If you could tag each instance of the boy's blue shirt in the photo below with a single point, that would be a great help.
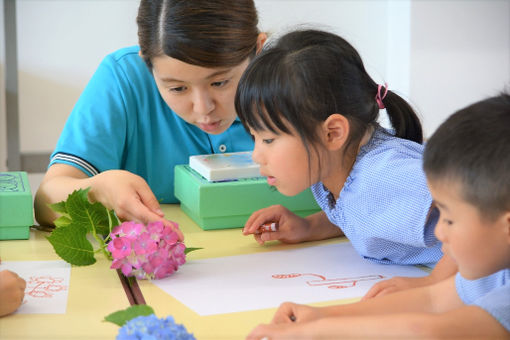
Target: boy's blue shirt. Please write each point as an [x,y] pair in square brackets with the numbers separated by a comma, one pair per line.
[121,122]
[492,293]
[384,208]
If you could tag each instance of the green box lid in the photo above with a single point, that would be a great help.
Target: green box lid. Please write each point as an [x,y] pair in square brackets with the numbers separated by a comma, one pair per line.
[229,204]
[16,207]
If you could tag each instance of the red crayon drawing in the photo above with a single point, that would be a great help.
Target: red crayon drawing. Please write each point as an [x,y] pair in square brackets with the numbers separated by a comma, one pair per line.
[339,283]
[44,286]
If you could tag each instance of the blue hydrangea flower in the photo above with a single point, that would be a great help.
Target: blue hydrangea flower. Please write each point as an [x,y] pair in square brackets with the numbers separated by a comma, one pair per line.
[152,328]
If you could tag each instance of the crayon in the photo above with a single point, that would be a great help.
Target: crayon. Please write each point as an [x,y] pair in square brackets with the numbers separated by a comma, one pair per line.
[268,226]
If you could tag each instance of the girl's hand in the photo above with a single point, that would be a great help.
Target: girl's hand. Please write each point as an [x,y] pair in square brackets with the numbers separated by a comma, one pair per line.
[12,292]
[130,196]
[291,228]
[289,312]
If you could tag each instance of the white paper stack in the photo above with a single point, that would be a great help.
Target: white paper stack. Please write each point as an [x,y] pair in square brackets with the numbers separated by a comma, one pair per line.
[225,166]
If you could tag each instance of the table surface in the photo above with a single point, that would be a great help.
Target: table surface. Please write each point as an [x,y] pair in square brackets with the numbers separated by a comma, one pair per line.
[94,292]
[215,243]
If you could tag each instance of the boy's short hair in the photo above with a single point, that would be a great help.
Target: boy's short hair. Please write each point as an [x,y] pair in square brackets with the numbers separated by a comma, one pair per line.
[472,148]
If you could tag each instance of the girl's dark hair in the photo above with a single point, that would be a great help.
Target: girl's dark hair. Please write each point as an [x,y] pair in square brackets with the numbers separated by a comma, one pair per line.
[308,75]
[472,148]
[207,33]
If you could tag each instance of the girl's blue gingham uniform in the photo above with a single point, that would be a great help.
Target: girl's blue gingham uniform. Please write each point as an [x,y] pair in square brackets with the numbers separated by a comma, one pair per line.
[121,122]
[384,208]
[492,293]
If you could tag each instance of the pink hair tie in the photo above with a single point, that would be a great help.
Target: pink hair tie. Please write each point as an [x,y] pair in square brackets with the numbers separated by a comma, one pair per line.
[379,98]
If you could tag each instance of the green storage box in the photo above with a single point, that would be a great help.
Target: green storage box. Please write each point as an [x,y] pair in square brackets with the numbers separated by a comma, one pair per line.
[221,205]
[16,209]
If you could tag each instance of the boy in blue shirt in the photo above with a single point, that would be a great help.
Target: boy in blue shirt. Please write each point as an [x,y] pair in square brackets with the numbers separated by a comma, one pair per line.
[467,163]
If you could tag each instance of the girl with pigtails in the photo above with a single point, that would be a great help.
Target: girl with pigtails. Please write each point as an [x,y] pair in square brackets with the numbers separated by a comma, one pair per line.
[312,110]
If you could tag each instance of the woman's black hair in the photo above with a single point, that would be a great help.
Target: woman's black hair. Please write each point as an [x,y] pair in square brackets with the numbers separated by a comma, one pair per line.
[308,75]
[207,33]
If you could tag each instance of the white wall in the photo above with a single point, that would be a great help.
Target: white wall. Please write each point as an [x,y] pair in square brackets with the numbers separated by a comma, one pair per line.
[354,20]
[440,55]
[60,44]
[460,53]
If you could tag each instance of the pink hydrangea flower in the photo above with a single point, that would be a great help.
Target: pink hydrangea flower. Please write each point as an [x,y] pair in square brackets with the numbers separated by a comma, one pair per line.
[150,251]
[120,247]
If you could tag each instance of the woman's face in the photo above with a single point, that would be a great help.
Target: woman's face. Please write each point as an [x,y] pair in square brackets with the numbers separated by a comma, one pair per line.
[201,96]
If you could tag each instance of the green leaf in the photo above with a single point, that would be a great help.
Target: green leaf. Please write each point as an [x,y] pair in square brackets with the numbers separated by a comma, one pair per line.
[189,250]
[62,221]
[83,213]
[71,244]
[59,207]
[122,316]
[91,216]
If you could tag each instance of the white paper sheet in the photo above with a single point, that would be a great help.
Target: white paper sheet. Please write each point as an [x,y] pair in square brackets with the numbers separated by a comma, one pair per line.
[258,281]
[47,285]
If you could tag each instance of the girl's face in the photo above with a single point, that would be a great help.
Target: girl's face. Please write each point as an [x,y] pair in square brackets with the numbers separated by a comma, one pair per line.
[284,161]
[479,246]
[201,96]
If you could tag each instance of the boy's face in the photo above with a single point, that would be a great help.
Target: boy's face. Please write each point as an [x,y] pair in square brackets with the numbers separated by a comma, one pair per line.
[479,246]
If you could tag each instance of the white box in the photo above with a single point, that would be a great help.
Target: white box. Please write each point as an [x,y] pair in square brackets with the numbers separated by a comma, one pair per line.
[225,166]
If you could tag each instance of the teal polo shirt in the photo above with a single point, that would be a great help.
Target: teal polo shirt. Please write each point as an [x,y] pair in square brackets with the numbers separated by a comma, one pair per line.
[121,122]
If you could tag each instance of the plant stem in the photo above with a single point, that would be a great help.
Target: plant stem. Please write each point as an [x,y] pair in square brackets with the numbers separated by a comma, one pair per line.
[110,222]
[102,244]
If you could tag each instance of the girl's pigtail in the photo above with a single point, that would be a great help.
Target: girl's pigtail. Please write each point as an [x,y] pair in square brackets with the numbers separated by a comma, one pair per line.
[404,120]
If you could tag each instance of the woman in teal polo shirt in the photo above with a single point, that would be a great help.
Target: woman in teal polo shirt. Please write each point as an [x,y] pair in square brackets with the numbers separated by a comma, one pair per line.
[148,108]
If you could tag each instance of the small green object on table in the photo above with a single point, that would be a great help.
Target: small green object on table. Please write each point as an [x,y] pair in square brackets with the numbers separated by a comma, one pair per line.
[229,204]
[16,209]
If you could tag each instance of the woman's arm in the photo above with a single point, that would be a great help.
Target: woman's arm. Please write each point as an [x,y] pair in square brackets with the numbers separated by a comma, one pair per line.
[126,193]
[59,181]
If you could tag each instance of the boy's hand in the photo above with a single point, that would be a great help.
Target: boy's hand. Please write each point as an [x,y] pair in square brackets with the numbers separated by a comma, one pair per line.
[289,312]
[272,332]
[316,329]
[291,228]
[445,268]
[12,292]
[395,284]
